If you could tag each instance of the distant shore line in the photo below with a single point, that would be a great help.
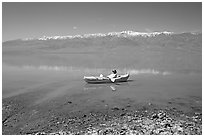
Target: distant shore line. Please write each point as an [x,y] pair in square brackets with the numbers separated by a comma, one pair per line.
[131,71]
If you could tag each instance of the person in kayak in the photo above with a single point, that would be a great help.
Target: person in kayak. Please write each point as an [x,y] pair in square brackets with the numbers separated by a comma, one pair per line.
[113,75]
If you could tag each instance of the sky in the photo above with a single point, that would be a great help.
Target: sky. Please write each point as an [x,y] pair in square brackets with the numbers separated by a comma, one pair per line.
[33,20]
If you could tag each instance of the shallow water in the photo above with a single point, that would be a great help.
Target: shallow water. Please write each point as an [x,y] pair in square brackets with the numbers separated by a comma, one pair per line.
[157,74]
[143,86]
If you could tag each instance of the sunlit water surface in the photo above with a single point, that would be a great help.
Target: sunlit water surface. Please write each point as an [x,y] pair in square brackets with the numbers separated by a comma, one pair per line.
[144,85]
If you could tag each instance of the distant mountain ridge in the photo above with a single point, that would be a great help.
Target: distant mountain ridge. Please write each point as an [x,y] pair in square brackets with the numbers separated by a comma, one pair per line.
[117,34]
[94,35]
[113,39]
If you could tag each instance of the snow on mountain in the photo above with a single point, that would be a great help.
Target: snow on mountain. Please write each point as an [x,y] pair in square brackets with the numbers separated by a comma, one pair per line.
[117,34]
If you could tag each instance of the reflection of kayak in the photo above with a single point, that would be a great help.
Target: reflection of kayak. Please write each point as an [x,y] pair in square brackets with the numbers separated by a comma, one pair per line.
[95,80]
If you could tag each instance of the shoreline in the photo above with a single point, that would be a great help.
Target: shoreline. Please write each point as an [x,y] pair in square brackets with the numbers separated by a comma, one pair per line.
[69,116]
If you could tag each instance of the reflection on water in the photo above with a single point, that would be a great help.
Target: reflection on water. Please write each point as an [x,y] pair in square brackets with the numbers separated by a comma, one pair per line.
[131,71]
[56,81]
[89,87]
[112,86]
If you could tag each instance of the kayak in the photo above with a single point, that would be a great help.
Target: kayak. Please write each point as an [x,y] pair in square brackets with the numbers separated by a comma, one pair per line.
[98,80]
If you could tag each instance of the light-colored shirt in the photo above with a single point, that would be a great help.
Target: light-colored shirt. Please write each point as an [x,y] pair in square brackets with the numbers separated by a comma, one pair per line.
[112,76]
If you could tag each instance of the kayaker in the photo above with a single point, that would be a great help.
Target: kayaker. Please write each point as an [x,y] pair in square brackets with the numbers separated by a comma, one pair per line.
[113,75]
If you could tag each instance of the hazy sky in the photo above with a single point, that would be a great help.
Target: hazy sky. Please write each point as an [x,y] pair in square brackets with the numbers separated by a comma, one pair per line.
[23,20]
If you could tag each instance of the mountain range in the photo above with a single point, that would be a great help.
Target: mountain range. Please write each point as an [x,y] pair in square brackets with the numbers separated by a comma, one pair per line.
[124,38]
[166,51]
